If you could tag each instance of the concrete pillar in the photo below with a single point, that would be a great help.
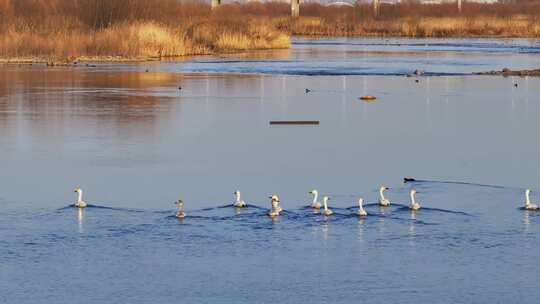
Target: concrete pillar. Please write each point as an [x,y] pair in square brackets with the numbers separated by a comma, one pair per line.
[215,3]
[376,4]
[295,8]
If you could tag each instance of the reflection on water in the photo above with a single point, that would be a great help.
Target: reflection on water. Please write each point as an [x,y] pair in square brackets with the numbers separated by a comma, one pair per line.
[42,103]
[80,219]
[380,227]
[412,227]
[361,223]
[325,227]
[526,221]
[67,127]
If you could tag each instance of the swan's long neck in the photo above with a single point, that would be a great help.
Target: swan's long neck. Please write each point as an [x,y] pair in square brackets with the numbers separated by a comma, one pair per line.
[237,196]
[274,205]
[360,205]
[79,198]
[325,203]
[315,197]
[527,198]
[413,199]
[381,193]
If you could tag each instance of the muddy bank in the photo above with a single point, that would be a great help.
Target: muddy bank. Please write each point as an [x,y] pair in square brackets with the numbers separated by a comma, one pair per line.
[509,72]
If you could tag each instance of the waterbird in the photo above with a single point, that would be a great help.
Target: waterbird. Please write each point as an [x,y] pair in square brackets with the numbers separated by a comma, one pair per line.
[382,200]
[414,205]
[315,204]
[80,203]
[515,85]
[238,203]
[180,214]
[179,88]
[361,211]
[274,209]
[528,204]
[308,90]
[278,203]
[408,180]
[327,211]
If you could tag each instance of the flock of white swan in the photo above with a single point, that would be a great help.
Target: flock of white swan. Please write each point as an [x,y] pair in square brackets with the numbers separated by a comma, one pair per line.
[275,207]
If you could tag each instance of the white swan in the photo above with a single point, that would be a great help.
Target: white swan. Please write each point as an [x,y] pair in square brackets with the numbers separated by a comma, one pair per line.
[275,210]
[361,211]
[382,200]
[80,203]
[315,204]
[238,203]
[277,202]
[414,205]
[528,204]
[180,214]
[327,211]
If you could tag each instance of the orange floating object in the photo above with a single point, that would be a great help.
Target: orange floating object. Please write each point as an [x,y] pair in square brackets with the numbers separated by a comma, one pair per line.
[368,97]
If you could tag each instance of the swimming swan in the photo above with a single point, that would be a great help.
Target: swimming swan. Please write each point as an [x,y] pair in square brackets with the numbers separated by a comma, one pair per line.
[180,214]
[316,204]
[327,211]
[414,205]
[382,200]
[277,202]
[361,211]
[528,204]
[275,210]
[80,203]
[238,203]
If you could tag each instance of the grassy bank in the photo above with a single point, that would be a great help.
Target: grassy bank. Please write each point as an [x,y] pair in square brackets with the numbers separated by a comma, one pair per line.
[415,20]
[67,30]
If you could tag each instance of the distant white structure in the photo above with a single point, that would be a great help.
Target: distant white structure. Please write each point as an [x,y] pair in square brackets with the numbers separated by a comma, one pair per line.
[339,3]
[483,1]
[454,1]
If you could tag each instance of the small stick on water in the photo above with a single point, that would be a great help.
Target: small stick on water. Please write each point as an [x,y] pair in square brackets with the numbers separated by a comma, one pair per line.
[294,122]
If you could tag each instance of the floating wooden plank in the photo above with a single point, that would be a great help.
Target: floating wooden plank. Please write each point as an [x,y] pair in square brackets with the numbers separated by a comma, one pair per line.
[294,122]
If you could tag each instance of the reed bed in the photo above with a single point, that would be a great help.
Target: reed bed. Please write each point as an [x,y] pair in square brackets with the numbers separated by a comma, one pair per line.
[67,30]
[410,19]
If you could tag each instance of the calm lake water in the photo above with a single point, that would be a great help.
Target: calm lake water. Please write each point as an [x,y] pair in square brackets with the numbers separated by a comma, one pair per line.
[135,144]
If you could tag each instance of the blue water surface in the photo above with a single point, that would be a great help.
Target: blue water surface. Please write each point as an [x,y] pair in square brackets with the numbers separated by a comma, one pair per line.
[136,143]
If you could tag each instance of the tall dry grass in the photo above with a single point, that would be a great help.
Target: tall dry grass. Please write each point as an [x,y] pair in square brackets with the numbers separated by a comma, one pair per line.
[60,30]
[411,19]
[101,29]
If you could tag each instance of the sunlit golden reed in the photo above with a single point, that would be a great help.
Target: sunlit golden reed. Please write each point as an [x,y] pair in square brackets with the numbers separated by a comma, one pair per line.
[66,30]
[128,29]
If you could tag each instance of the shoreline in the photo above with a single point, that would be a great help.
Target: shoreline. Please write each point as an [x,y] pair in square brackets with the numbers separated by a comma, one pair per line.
[168,29]
[85,59]
[506,72]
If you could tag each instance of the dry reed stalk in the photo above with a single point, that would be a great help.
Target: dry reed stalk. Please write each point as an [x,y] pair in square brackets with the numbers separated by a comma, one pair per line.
[66,29]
